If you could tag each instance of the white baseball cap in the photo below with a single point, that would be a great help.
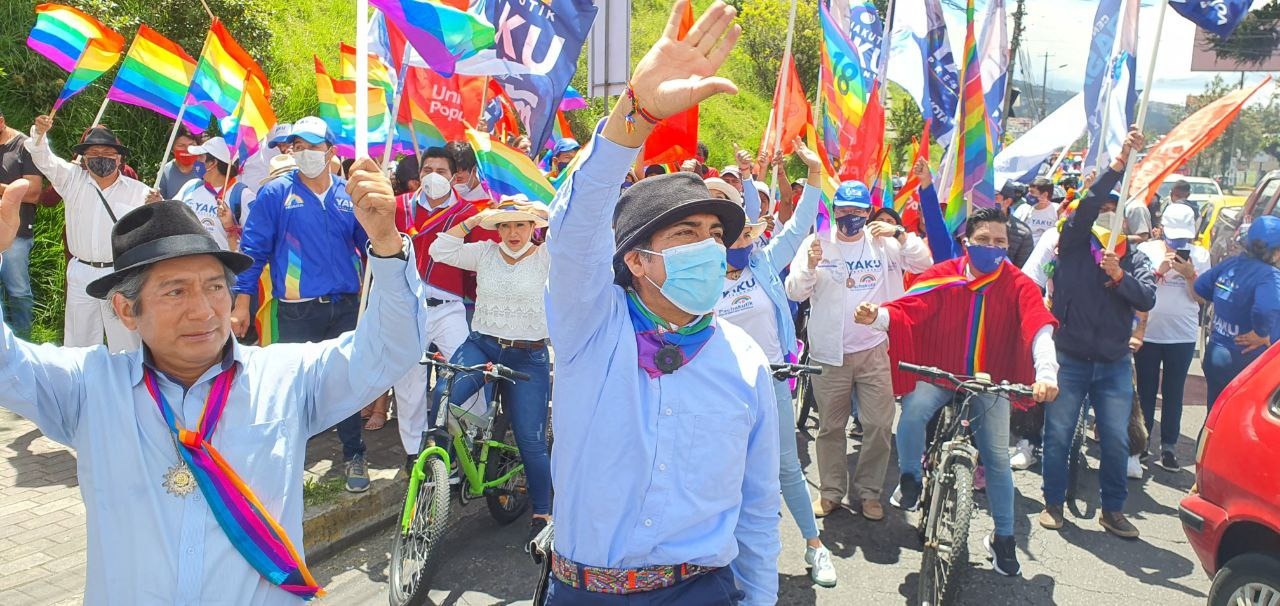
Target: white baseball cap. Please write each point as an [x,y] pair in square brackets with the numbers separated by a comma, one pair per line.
[216,147]
[1178,221]
[279,134]
[313,130]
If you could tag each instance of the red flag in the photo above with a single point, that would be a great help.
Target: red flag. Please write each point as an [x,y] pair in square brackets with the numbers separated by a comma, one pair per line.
[675,138]
[861,160]
[507,123]
[798,114]
[907,200]
[451,103]
[1187,139]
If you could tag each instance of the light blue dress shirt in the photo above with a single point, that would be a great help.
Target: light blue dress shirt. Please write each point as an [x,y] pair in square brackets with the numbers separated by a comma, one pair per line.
[146,546]
[678,469]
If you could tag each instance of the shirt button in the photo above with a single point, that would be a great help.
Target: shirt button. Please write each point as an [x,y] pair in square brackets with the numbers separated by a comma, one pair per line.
[662,467]
[191,551]
[668,411]
[648,522]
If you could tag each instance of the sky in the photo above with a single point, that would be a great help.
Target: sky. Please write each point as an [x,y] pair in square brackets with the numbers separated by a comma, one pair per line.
[1062,29]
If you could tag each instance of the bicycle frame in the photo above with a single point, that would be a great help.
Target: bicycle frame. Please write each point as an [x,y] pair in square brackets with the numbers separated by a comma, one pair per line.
[473,473]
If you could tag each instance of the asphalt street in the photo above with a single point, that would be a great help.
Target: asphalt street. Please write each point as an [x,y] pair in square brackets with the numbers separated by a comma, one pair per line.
[483,564]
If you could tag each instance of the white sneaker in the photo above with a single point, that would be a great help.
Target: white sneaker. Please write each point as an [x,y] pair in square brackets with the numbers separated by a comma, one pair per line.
[1134,470]
[822,571]
[1023,456]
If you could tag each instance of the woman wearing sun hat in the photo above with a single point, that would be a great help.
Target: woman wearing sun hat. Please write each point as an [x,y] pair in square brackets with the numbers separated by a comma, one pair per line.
[755,300]
[509,328]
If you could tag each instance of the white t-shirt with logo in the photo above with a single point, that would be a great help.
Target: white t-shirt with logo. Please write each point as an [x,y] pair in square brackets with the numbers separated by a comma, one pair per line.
[199,199]
[745,303]
[862,271]
[1039,220]
[1176,316]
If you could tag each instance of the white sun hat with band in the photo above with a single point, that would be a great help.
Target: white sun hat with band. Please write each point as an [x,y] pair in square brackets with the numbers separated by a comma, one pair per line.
[719,185]
[515,208]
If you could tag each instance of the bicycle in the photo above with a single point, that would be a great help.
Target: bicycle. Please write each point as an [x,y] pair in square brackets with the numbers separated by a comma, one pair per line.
[1076,464]
[802,395]
[947,483]
[490,467]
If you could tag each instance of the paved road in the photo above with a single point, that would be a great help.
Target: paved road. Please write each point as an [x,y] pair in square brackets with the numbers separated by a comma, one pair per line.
[877,561]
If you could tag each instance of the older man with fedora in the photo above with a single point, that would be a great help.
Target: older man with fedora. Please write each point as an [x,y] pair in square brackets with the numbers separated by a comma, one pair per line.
[666,457]
[190,451]
[95,196]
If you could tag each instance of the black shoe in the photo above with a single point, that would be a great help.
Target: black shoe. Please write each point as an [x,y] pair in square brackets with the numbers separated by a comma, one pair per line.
[907,496]
[536,524]
[855,432]
[1116,524]
[1004,555]
[1146,455]
[1168,461]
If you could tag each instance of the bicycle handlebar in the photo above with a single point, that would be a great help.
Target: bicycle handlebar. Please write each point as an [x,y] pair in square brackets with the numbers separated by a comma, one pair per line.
[971,384]
[787,371]
[488,369]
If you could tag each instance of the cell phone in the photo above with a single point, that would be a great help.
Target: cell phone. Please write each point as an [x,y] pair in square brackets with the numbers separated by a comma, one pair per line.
[1184,254]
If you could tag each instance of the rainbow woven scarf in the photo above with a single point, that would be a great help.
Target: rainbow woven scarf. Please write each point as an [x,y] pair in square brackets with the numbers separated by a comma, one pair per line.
[976,348]
[650,338]
[248,526]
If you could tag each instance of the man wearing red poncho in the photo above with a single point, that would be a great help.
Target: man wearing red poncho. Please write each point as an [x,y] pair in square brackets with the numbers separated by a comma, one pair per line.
[976,313]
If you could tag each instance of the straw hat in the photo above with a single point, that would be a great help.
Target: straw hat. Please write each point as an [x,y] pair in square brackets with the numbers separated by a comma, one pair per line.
[514,208]
[716,184]
[281,165]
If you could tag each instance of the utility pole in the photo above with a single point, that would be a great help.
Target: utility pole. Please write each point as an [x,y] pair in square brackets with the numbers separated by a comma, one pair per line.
[1016,42]
[1044,89]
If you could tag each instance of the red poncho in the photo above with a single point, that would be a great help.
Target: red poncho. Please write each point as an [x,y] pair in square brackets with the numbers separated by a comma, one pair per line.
[966,326]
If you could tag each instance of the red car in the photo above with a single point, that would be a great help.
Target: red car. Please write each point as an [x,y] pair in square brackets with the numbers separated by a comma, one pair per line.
[1232,516]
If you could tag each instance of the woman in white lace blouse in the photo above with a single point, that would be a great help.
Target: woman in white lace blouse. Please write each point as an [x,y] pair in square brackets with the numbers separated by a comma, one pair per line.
[509,328]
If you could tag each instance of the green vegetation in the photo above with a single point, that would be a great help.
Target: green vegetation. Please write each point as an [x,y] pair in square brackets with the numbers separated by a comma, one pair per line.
[318,492]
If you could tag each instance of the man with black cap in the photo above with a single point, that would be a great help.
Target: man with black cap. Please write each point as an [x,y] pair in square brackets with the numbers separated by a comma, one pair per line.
[95,194]
[666,457]
[190,451]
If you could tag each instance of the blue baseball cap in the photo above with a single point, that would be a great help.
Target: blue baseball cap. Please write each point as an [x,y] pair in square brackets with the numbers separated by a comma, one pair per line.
[566,144]
[853,194]
[1266,230]
[313,130]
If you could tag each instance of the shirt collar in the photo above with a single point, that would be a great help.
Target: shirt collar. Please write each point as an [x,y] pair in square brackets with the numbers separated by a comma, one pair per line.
[233,353]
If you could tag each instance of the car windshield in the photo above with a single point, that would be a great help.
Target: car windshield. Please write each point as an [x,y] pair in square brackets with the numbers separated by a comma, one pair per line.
[1198,188]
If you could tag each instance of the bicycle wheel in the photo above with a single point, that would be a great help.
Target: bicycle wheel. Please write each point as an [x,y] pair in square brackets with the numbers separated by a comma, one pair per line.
[946,548]
[412,550]
[508,501]
[1077,464]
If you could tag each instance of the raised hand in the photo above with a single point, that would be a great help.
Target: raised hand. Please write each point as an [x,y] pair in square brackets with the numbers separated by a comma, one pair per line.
[743,159]
[375,206]
[922,173]
[10,212]
[678,74]
[806,155]
[815,254]
[42,125]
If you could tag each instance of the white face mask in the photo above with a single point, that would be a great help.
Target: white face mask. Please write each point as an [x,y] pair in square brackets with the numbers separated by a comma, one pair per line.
[516,254]
[436,186]
[1104,220]
[462,188]
[311,162]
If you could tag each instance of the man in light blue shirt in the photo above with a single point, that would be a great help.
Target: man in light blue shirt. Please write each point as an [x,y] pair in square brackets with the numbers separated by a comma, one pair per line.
[154,534]
[666,458]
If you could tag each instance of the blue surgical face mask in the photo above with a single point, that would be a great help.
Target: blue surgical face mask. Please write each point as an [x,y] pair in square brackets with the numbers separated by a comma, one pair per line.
[739,257]
[695,275]
[1178,243]
[986,259]
[851,225]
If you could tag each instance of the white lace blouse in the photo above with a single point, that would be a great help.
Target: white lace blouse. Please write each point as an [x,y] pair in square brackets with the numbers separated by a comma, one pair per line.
[509,298]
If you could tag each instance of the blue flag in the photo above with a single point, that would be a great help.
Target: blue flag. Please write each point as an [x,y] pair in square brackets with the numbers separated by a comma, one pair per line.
[866,31]
[1218,17]
[1105,21]
[545,38]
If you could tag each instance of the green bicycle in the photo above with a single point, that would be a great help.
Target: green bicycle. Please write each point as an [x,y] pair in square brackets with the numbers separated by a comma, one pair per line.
[483,449]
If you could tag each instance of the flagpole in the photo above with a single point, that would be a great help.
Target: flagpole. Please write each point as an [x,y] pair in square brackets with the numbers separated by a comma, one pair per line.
[1116,222]
[1061,157]
[101,110]
[413,135]
[785,79]
[401,78]
[173,135]
[362,79]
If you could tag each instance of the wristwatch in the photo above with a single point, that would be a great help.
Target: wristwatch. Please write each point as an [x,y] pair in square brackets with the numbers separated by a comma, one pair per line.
[899,232]
[402,254]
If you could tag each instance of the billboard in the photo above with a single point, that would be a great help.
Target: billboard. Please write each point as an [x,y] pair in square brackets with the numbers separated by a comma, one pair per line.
[1204,60]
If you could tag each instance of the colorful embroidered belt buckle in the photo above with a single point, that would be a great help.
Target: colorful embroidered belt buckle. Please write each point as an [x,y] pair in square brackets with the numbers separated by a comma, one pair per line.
[622,581]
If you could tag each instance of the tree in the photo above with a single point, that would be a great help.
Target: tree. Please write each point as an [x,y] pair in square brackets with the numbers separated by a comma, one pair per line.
[1254,41]
[907,125]
[764,37]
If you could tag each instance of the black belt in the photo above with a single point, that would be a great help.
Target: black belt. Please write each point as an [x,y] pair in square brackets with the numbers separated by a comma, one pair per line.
[95,264]
[520,344]
[326,299]
[434,302]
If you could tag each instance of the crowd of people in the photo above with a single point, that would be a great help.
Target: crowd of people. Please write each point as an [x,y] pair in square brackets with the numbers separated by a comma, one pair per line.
[660,298]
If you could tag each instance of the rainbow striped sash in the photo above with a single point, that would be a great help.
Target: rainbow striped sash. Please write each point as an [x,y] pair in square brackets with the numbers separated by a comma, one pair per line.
[976,348]
[251,530]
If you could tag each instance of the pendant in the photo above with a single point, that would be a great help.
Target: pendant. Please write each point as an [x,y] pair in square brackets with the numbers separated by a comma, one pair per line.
[848,283]
[179,481]
[668,359]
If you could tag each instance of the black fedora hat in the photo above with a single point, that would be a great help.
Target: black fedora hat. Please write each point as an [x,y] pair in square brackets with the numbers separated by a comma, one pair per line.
[157,232]
[659,201]
[100,135]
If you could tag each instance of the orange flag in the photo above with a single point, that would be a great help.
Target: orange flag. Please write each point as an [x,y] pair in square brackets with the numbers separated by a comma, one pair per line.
[675,138]
[798,114]
[1186,140]
[862,159]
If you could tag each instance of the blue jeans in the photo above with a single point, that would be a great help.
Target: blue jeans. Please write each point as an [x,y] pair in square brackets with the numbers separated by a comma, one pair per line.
[526,402]
[1175,358]
[1221,365]
[313,322]
[1109,387]
[794,489]
[15,275]
[716,588]
[991,430]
